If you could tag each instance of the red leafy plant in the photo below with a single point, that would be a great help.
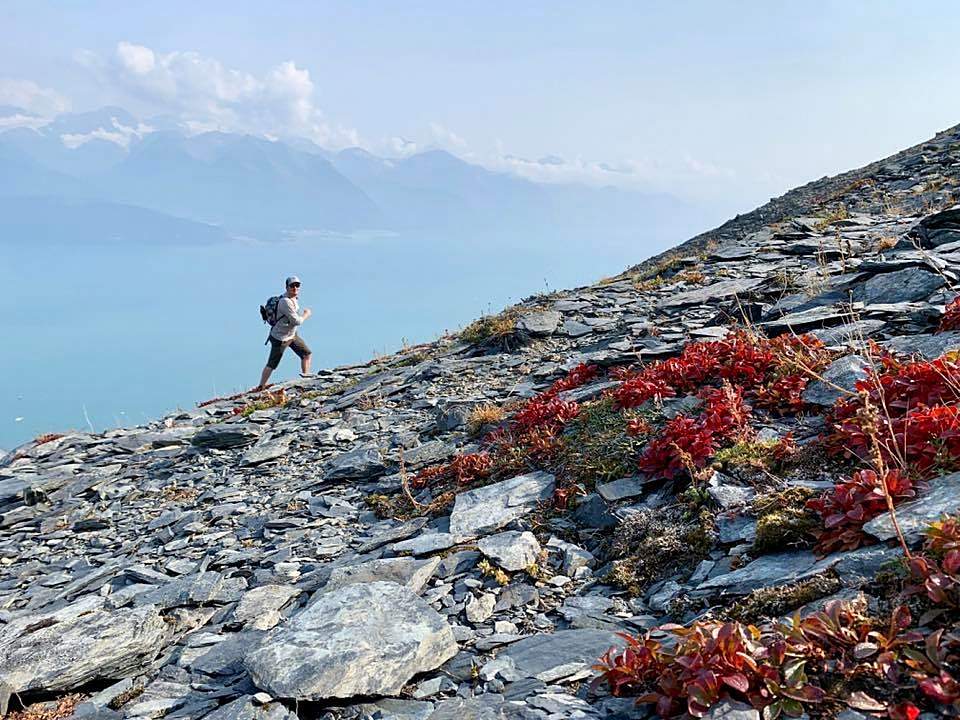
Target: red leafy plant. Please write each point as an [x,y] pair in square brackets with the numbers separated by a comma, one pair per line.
[708,662]
[687,443]
[770,369]
[850,504]
[904,414]
[951,316]
[936,571]
[463,469]
[839,647]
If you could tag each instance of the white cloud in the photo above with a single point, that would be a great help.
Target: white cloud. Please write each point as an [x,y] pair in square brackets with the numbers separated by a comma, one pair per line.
[27,95]
[446,138]
[401,146]
[207,95]
[121,135]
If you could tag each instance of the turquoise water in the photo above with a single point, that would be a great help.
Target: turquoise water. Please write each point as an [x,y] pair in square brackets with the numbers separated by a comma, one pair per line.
[103,336]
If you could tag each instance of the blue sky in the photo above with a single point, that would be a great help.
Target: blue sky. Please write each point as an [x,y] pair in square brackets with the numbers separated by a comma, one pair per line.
[728,103]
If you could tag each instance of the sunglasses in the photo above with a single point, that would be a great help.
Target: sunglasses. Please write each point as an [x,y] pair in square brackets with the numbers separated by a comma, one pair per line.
[296,285]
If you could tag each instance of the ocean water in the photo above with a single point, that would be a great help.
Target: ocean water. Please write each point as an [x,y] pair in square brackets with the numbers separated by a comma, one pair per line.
[103,336]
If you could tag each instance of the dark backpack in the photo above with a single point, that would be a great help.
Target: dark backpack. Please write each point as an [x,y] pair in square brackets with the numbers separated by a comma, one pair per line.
[268,311]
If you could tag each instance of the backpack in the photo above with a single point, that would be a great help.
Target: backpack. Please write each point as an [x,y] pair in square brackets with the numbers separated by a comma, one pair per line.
[268,311]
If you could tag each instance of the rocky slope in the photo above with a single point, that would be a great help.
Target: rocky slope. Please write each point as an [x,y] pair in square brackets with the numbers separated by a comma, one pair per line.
[316,554]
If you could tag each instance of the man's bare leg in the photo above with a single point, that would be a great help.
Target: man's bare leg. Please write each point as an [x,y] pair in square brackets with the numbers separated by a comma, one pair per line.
[305,364]
[264,376]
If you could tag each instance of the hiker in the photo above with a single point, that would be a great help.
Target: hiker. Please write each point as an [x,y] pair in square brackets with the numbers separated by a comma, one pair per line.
[283,315]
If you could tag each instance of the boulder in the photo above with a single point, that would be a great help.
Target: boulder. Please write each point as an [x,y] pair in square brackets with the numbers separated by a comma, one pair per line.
[259,609]
[540,323]
[560,654]
[265,450]
[79,643]
[362,639]
[908,285]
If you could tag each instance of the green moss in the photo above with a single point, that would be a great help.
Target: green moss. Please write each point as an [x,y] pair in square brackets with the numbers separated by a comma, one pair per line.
[775,602]
[783,520]
[596,446]
[748,453]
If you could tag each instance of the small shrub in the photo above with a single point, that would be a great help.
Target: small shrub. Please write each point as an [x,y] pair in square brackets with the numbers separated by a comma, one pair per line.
[654,543]
[483,416]
[497,329]
[268,399]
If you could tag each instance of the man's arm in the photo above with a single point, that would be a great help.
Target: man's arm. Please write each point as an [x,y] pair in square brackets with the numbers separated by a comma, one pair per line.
[295,317]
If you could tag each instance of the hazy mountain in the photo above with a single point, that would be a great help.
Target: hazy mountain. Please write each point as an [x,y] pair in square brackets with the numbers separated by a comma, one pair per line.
[267,189]
[242,182]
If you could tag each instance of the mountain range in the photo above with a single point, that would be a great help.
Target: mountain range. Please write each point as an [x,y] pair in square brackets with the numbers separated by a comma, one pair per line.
[108,175]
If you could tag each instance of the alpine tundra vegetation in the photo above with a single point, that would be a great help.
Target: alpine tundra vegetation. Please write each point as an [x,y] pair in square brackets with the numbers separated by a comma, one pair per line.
[725,483]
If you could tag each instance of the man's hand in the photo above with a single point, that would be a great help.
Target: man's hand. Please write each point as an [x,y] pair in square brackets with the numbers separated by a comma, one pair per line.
[307,313]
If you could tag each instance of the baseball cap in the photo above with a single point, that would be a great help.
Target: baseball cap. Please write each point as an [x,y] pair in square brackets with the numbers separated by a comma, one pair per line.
[292,279]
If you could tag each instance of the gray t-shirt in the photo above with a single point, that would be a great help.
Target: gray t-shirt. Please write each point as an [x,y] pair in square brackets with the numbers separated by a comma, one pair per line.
[288,318]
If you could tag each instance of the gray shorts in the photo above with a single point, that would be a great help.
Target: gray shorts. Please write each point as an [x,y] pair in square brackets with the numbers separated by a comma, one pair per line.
[277,348]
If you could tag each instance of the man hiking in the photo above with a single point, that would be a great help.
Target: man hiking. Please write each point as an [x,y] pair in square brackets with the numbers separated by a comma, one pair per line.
[283,332]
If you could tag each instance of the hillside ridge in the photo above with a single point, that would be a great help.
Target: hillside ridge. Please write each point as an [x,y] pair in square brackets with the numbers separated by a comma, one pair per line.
[466,527]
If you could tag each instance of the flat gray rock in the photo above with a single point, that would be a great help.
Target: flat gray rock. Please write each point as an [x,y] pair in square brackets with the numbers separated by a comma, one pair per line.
[713,292]
[265,450]
[79,643]
[928,347]
[540,323]
[244,708]
[512,550]
[907,285]
[363,639]
[942,497]
[768,570]
[842,373]
[226,435]
[560,654]
[361,462]
[732,710]
[489,508]
[412,573]
[622,489]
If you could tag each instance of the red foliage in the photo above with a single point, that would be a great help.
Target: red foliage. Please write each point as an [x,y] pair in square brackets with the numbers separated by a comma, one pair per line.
[688,442]
[709,662]
[464,469]
[545,413]
[853,502]
[768,667]
[683,440]
[639,389]
[909,409]
[580,375]
[951,316]
[783,395]
[745,359]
